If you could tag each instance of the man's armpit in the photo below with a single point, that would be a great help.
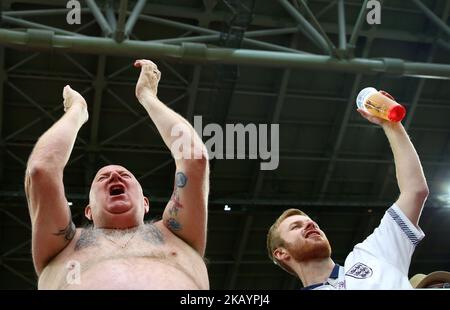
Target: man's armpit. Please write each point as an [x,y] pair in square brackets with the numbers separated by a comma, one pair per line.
[68,232]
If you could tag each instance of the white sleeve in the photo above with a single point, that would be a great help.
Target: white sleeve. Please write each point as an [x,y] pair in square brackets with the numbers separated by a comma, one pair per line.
[394,240]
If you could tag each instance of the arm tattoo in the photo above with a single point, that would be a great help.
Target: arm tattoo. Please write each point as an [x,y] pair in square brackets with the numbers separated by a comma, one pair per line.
[180,179]
[176,205]
[68,232]
[175,200]
[173,224]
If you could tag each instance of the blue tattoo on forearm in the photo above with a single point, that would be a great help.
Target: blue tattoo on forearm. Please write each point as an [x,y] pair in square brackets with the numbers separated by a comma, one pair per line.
[180,179]
[173,224]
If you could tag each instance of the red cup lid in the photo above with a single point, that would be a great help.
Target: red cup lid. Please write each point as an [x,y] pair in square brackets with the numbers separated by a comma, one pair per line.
[396,113]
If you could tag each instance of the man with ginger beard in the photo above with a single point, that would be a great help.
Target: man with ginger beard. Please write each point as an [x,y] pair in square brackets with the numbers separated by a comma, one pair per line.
[297,244]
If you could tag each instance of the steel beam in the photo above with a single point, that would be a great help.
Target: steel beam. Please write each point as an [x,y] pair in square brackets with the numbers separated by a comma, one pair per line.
[326,9]
[248,41]
[216,37]
[28,24]
[175,73]
[199,52]
[99,86]
[258,19]
[132,19]
[430,14]
[319,27]
[78,65]
[305,27]
[22,62]
[152,171]
[358,25]
[30,100]
[137,123]
[341,23]
[16,219]
[36,13]
[110,15]
[17,158]
[127,106]
[39,107]
[119,34]
[18,274]
[106,29]
[192,93]
[17,247]
[37,120]
[270,22]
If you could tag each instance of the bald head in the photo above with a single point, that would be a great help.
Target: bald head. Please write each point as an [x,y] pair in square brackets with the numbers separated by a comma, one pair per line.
[116,198]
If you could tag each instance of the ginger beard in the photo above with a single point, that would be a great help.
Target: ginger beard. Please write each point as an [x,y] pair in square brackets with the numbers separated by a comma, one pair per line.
[314,247]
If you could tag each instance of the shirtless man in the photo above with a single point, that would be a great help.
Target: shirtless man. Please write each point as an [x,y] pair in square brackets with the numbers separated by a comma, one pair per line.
[119,251]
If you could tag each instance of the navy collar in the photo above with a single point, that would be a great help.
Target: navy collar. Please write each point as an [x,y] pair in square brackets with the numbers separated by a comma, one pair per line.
[335,272]
[334,275]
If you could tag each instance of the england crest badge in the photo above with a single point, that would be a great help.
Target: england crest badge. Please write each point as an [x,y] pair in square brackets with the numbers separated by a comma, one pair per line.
[360,271]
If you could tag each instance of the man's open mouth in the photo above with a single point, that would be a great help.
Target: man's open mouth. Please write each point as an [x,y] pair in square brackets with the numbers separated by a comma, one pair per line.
[312,233]
[116,190]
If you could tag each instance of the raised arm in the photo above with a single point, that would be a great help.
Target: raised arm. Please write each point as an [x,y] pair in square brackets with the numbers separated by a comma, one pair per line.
[52,226]
[186,212]
[410,178]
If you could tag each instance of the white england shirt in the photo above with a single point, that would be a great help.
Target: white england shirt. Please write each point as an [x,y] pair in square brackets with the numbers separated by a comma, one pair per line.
[381,261]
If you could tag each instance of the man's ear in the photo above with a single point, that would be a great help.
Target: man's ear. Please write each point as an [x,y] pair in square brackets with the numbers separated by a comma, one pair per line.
[281,254]
[88,212]
[146,205]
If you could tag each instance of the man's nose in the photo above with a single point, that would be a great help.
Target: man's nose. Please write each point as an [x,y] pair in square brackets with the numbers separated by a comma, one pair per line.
[114,176]
[309,225]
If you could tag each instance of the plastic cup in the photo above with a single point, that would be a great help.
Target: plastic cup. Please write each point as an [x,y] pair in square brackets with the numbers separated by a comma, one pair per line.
[380,104]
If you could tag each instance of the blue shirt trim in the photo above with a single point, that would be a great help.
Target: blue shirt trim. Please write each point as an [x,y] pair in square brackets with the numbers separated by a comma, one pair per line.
[403,226]
[334,275]
[335,272]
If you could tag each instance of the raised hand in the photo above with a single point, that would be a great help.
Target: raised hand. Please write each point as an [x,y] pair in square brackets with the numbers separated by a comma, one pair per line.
[374,119]
[147,84]
[72,98]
